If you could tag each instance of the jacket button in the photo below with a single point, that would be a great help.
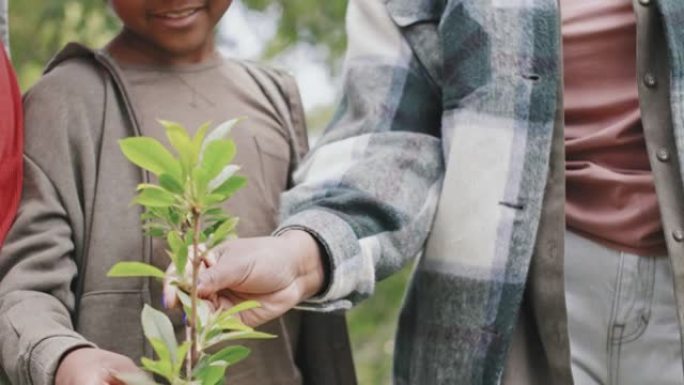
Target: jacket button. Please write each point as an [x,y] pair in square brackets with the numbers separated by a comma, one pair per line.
[663,155]
[650,80]
[645,2]
[678,235]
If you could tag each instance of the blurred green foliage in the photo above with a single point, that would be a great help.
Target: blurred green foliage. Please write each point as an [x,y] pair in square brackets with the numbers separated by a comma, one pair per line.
[39,28]
[313,22]
[372,326]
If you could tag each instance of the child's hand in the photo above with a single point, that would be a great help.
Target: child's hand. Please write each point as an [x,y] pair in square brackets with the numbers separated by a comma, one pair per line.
[90,366]
[278,272]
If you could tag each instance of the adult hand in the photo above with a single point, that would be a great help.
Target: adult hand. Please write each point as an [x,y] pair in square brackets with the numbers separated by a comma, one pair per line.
[278,272]
[90,366]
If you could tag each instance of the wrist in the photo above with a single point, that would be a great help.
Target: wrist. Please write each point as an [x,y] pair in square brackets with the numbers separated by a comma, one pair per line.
[311,272]
[67,362]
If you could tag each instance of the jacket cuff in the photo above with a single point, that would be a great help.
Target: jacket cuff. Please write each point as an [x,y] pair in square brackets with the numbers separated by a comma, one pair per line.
[46,355]
[351,272]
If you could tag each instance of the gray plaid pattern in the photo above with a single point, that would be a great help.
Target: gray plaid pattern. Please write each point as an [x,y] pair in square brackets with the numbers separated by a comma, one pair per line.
[453,98]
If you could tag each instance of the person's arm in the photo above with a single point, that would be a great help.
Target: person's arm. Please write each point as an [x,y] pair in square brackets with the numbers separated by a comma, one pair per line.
[364,198]
[11,144]
[369,189]
[38,266]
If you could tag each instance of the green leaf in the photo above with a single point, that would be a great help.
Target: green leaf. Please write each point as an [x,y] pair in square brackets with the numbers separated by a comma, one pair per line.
[170,184]
[150,155]
[161,349]
[134,269]
[211,369]
[203,309]
[163,213]
[182,353]
[199,137]
[211,374]
[213,212]
[155,232]
[243,306]
[237,335]
[231,355]
[217,156]
[161,368]
[155,198]
[231,186]
[135,378]
[156,325]
[223,176]
[200,180]
[213,199]
[219,133]
[184,298]
[179,251]
[223,231]
[180,140]
[175,241]
[233,324]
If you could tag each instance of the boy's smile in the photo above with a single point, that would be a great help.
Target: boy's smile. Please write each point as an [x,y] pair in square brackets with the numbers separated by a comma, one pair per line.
[179,17]
[171,31]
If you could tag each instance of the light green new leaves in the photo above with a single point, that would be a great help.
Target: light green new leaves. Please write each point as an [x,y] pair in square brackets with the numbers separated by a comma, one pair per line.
[219,133]
[149,154]
[231,186]
[181,142]
[168,183]
[226,229]
[217,156]
[239,308]
[185,209]
[134,269]
[154,196]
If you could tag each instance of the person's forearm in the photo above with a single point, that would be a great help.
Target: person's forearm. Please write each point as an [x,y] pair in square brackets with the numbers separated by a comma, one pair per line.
[368,191]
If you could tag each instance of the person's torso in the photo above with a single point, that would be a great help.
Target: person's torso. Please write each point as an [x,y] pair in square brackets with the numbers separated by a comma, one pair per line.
[499,72]
[611,195]
[215,92]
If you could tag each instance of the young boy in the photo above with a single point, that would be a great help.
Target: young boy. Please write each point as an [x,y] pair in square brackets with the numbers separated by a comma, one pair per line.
[61,320]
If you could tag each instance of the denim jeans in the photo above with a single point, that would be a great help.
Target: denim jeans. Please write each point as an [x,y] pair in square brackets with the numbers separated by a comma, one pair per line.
[622,316]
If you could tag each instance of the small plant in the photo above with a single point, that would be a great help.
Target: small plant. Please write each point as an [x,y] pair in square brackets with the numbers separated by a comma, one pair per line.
[184,208]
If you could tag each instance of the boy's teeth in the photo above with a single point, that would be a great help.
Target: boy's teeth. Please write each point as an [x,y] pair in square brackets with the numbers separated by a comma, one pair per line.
[179,15]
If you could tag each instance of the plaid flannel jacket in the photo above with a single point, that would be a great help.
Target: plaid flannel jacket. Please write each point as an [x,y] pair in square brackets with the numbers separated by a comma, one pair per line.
[456,98]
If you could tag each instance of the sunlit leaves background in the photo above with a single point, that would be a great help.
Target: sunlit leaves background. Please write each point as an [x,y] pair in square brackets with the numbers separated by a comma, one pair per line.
[39,28]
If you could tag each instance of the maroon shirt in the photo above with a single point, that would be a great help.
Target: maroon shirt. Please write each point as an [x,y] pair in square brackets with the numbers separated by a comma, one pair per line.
[611,195]
[11,144]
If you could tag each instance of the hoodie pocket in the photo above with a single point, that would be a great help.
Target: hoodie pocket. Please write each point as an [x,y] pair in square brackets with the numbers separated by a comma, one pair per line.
[111,320]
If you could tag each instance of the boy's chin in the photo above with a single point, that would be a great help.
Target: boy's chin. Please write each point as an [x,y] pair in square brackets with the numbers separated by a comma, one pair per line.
[193,50]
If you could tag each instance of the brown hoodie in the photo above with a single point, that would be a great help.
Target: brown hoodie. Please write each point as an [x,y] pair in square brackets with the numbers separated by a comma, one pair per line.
[75,221]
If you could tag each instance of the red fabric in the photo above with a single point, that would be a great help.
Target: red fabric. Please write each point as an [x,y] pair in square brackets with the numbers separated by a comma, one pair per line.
[11,144]
[611,196]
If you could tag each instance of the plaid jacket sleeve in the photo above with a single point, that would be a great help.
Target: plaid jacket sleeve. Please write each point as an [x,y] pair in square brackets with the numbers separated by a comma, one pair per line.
[369,189]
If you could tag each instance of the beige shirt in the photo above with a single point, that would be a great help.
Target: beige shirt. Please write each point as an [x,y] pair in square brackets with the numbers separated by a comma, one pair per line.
[611,195]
